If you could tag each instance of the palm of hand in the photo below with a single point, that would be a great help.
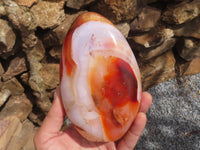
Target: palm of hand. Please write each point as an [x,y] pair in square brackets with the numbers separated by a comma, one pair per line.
[49,136]
[72,140]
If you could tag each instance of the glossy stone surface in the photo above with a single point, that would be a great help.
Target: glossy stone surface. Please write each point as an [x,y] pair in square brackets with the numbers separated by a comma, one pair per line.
[99,78]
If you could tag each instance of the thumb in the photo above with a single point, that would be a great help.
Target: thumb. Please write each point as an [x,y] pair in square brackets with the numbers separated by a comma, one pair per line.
[55,117]
[130,139]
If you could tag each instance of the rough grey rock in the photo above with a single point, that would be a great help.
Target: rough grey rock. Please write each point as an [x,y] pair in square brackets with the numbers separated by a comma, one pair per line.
[57,36]
[1,73]
[158,70]
[190,29]
[55,52]
[9,128]
[124,28]
[181,13]
[154,38]
[77,4]
[19,106]
[174,117]
[24,78]
[1,70]
[188,49]
[20,17]
[4,94]
[19,141]
[7,37]
[17,66]
[28,3]
[2,9]
[15,135]
[116,11]
[30,144]
[14,86]
[153,43]
[50,75]
[190,68]
[48,14]
[146,20]
[34,56]
[24,20]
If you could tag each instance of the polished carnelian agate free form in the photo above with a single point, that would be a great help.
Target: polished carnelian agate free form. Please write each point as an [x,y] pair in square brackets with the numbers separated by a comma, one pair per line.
[99,79]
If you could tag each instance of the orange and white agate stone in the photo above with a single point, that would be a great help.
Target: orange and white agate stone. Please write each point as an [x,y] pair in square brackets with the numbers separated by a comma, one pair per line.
[99,79]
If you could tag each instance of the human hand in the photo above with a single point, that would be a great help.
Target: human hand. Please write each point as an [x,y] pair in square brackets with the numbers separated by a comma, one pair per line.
[50,136]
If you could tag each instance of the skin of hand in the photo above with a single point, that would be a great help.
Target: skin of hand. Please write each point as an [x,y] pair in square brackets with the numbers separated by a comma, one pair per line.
[50,136]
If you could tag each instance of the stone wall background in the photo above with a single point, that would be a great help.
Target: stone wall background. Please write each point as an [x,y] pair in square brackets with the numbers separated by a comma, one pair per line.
[164,36]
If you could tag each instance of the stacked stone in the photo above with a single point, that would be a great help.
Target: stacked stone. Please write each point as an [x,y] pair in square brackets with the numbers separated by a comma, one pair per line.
[164,36]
